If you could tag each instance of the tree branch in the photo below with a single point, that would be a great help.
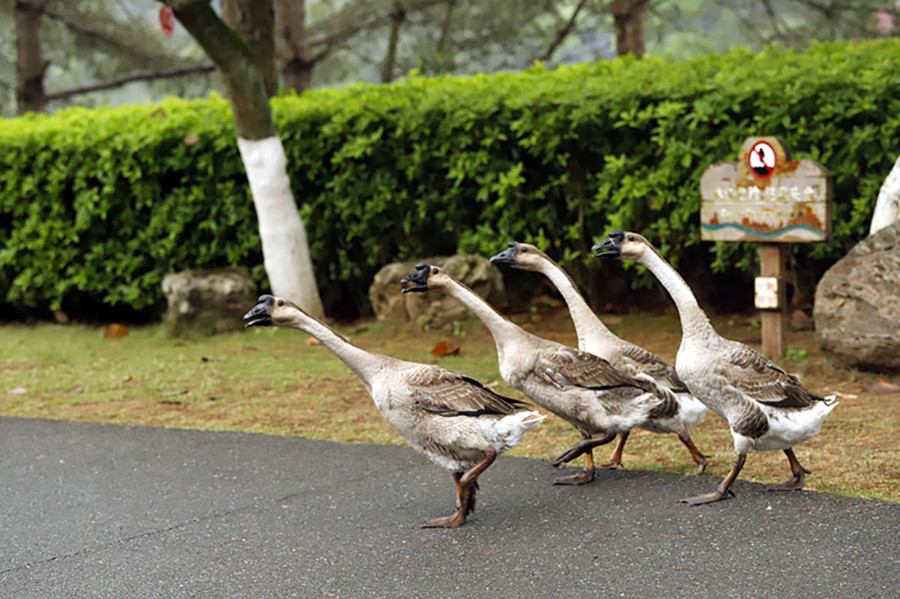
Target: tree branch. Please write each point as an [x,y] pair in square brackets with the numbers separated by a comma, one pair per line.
[149,76]
[100,37]
[347,24]
[562,33]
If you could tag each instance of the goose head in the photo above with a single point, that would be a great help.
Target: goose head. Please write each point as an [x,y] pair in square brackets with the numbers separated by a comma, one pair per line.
[425,278]
[270,311]
[520,255]
[623,245]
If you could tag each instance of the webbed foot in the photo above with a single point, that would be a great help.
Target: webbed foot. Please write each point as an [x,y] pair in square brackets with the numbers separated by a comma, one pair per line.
[583,478]
[708,497]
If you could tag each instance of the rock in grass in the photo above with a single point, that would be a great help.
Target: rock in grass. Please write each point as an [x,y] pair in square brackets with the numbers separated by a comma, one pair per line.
[435,309]
[857,307]
[207,302]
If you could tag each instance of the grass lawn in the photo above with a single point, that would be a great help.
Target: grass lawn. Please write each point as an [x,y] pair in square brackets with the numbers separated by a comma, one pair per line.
[274,381]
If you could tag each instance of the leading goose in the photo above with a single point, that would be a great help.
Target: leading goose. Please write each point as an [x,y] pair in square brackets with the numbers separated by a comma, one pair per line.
[766,408]
[452,419]
[581,388]
[595,338]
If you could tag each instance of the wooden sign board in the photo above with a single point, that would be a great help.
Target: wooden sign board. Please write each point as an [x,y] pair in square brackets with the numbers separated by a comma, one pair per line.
[765,196]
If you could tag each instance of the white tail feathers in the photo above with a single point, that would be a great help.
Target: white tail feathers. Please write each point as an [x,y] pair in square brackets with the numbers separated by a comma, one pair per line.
[515,425]
[531,420]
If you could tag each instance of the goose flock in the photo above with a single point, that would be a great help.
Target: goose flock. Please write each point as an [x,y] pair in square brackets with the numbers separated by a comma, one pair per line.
[604,388]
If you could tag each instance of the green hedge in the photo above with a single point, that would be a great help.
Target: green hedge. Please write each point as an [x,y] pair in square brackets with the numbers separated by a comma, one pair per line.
[103,203]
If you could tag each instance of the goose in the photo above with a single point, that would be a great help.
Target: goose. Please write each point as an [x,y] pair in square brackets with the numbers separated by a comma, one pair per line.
[579,387]
[766,408]
[454,420]
[595,338]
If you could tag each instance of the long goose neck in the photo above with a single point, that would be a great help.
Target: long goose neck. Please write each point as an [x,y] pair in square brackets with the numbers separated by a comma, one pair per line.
[502,330]
[694,322]
[587,326]
[364,364]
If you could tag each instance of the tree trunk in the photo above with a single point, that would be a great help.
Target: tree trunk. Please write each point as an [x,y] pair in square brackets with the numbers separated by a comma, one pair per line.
[390,58]
[30,66]
[887,207]
[254,21]
[629,22]
[444,38]
[292,45]
[284,244]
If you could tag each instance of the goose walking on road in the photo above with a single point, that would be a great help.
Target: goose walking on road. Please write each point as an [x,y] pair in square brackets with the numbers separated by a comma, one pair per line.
[452,419]
[766,408]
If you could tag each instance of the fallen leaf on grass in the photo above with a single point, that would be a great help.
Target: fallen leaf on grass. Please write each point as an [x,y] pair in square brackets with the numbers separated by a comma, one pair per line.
[171,393]
[313,341]
[209,359]
[18,391]
[115,331]
[444,348]
[127,377]
[882,387]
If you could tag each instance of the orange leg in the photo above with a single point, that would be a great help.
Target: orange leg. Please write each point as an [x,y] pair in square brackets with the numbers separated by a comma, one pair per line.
[796,482]
[466,485]
[616,460]
[585,446]
[723,491]
[698,457]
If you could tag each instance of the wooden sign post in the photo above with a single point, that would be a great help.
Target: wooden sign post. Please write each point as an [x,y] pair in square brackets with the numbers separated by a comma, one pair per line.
[767,197]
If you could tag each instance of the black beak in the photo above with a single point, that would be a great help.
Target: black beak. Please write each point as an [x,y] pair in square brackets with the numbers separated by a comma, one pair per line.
[609,247]
[420,278]
[507,256]
[261,314]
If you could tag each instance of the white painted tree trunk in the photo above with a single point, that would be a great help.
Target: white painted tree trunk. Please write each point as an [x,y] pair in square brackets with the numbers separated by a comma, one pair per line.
[285,249]
[887,207]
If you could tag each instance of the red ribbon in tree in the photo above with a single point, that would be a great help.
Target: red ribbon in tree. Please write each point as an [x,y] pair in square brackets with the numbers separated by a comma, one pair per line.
[167,19]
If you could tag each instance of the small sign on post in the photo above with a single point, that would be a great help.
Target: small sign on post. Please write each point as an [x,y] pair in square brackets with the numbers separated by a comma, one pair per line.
[769,198]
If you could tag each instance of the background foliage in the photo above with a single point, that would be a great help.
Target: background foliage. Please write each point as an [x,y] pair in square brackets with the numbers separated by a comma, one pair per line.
[97,206]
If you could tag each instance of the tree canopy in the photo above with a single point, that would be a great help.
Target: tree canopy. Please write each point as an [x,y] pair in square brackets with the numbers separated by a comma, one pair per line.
[93,46]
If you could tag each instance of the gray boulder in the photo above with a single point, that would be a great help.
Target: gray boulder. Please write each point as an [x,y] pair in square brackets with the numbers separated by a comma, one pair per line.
[208,302]
[857,307]
[434,308]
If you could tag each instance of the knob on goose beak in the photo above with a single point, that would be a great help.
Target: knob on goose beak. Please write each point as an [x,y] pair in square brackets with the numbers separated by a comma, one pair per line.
[507,256]
[420,278]
[261,314]
[611,246]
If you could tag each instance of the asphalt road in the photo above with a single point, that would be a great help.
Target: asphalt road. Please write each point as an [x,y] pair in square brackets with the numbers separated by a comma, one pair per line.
[108,511]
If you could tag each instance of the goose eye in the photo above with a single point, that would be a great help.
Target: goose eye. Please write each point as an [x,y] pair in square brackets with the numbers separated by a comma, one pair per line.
[524,250]
[434,272]
[280,302]
[631,238]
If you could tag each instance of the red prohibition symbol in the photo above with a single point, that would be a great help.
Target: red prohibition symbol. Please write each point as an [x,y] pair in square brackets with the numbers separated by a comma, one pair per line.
[762,159]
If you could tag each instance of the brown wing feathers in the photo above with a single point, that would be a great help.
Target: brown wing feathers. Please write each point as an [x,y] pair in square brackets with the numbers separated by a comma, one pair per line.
[767,383]
[450,394]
